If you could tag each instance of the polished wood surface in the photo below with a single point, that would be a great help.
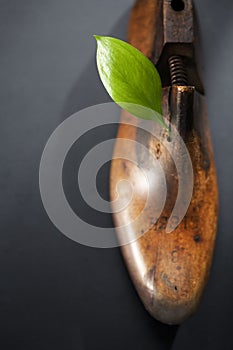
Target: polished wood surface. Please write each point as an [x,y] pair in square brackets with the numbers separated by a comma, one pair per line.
[169,270]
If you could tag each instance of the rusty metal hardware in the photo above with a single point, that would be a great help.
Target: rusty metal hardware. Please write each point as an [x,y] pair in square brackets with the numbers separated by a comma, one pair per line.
[170,271]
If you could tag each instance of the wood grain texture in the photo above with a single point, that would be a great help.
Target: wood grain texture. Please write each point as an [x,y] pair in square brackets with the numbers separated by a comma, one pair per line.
[169,271]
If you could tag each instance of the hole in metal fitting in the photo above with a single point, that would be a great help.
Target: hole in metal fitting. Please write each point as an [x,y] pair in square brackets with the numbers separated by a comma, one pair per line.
[177,5]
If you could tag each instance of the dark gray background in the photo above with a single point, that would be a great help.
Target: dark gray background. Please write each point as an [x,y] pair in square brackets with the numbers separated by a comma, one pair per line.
[54,293]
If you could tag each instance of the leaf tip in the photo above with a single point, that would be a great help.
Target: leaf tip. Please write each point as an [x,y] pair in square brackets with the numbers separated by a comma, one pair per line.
[97,37]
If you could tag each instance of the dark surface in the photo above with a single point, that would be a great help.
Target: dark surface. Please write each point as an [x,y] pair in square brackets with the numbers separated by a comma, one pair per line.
[55,293]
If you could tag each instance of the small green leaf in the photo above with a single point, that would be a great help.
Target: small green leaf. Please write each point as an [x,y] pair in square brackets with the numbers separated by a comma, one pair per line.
[130,78]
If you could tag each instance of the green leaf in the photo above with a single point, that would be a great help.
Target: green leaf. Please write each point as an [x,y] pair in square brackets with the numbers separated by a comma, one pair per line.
[130,78]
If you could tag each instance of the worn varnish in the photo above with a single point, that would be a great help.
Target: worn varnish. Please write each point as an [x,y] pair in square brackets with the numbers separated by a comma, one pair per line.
[170,271]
